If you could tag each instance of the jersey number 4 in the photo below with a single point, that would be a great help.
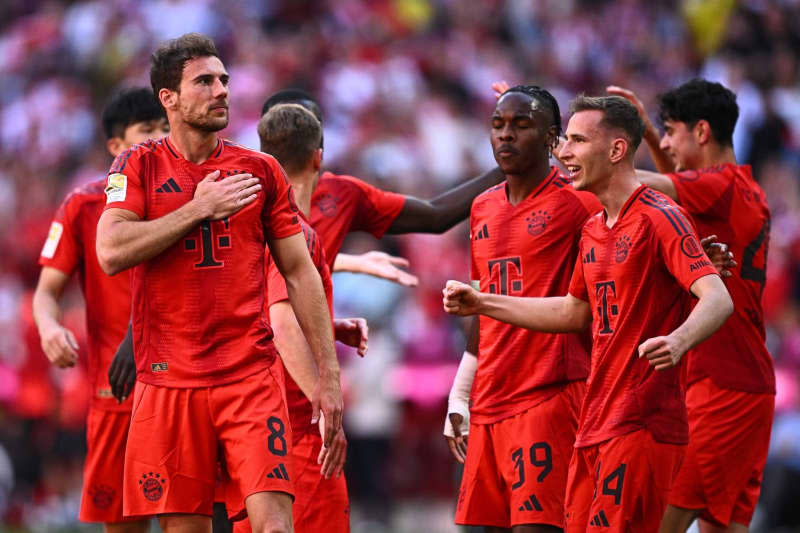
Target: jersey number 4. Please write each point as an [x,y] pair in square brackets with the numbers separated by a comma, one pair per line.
[208,243]
[749,270]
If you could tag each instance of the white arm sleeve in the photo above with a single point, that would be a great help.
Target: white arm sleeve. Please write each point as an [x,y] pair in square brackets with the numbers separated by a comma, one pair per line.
[458,402]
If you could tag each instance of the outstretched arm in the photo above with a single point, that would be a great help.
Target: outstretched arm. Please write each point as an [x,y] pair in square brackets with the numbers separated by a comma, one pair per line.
[378,264]
[446,210]
[712,310]
[560,314]
[659,182]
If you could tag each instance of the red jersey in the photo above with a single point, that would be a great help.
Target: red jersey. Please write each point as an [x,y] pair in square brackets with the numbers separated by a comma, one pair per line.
[636,276]
[526,249]
[70,247]
[727,202]
[299,406]
[341,204]
[198,306]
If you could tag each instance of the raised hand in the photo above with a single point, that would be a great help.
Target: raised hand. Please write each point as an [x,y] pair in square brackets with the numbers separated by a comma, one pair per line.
[631,97]
[499,87]
[352,332]
[460,299]
[222,198]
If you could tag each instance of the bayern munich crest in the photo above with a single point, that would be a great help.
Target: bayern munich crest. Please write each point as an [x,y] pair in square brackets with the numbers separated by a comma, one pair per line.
[102,496]
[328,205]
[537,222]
[623,246]
[152,486]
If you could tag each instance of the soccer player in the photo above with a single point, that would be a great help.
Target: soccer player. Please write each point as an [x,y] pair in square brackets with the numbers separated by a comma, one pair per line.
[193,214]
[528,385]
[131,117]
[639,260]
[292,135]
[731,381]
[342,204]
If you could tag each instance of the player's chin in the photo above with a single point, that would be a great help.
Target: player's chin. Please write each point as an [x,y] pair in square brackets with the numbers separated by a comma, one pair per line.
[212,124]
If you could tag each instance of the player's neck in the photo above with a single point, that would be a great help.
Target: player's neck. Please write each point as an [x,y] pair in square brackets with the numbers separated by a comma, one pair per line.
[713,155]
[303,185]
[194,145]
[615,192]
[520,186]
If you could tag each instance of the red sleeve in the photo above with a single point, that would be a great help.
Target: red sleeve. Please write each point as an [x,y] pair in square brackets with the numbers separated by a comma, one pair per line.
[680,248]
[377,209]
[699,190]
[577,284]
[279,214]
[125,182]
[61,248]
[276,285]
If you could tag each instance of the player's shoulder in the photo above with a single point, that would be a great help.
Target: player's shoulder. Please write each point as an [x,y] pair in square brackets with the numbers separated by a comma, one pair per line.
[490,196]
[723,174]
[86,194]
[138,152]
[662,212]
[344,185]
[342,180]
[236,150]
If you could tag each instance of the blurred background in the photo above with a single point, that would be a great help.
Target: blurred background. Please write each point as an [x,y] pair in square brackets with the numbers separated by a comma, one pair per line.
[405,90]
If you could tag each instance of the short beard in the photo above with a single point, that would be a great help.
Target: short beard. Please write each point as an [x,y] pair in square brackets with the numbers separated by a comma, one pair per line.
[206,124]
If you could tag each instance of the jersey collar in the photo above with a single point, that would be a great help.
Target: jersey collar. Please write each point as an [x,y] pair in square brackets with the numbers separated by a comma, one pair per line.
[214,154]
[626,206]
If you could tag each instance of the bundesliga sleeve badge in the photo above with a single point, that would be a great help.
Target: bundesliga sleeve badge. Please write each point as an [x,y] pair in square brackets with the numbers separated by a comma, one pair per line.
[117,188]
[53,238]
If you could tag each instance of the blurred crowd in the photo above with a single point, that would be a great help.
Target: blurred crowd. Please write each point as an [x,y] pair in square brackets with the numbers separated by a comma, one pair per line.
[405,91]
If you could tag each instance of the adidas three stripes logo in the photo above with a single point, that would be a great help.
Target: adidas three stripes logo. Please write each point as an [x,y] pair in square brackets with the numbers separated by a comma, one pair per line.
[169,186]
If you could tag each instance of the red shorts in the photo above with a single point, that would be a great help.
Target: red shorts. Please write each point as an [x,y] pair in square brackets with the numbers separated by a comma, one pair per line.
[106,434]
[728,442]
[321,504]
[621,484]
[178,435]
[516,469]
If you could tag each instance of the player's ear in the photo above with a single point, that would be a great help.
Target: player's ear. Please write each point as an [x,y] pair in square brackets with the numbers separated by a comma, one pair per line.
[552,138]
[619,149]
[316,159]
[115,146]
[168,98]
[702,132]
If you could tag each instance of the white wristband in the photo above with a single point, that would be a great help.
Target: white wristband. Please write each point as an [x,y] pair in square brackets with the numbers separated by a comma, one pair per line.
[458,401]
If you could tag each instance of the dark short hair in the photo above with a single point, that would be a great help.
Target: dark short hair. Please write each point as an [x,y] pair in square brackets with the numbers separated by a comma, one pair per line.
[293,96]
[167,62]
[702,100]
[128,107]
[291,134]
[618,113]
[544,97]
